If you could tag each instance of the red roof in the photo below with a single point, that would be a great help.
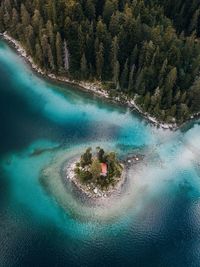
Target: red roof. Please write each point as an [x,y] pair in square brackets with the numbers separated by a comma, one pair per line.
[104,168]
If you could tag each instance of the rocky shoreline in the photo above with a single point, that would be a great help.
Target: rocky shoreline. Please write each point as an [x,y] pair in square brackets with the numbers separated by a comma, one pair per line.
[94,87]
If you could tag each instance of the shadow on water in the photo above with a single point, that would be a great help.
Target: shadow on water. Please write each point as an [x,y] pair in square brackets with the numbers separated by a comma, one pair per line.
[20,124]
[190,124]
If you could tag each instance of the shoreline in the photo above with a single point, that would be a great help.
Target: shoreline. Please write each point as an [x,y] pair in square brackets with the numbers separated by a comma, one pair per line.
[91,190]
[92,87]
[74,202]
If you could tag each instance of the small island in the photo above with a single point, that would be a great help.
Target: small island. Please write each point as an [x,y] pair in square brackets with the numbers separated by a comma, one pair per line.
[98,173]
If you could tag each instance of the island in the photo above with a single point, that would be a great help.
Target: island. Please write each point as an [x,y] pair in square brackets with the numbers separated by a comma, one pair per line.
[96,173]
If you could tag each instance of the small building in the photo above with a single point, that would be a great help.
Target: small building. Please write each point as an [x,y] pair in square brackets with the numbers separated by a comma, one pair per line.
[104,169]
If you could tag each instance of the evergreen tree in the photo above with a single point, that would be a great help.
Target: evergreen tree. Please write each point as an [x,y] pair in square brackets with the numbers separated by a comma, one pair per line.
[124,76]
[95,169]
[15,22]
[131,79]
[114,60]
[37,21]
[84,68]
[66,56]
[25,17]
[90,9]
[6,19]
[100,60]
[116,70]
[39,56]
[140,82]
[195,96]
[59,47]
[1,18]
[109,8]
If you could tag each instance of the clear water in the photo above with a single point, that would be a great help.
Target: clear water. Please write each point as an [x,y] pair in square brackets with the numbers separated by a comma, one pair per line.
[157,221]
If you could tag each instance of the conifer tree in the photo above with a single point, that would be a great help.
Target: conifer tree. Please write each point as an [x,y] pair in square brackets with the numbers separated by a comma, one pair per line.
[15,21]
[39,55]
[195,96]
[90,9]
[100,61]
[131,79]
[59,51]
[37,21]
[25,17]
[114,61]
[140,83]
[84,67]
[124,76]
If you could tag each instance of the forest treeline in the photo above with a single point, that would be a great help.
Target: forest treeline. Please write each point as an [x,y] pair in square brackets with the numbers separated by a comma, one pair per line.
[148,49]
[184,13]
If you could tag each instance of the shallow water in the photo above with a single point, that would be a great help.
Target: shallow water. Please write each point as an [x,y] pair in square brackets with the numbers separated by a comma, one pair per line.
[156,223]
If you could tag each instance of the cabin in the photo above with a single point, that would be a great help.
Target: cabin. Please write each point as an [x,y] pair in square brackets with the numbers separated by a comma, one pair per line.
[104,169]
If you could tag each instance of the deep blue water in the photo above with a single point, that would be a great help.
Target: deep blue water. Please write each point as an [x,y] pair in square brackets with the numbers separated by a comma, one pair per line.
[157,222]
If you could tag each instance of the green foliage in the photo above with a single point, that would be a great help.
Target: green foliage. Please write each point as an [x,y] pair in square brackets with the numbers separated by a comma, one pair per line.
[89,167]
[184,13]
[149,48]
[95,169]
[86,158]
[195,96]
[101,154]
[84,68]
[83,175]
[114,168]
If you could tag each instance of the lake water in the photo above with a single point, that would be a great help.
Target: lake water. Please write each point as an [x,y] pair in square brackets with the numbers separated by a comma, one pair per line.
[156,223]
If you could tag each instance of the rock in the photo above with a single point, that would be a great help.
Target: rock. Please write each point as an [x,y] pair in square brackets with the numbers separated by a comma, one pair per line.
[95,191]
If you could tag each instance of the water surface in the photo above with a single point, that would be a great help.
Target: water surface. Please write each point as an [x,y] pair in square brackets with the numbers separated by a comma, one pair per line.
[158,221]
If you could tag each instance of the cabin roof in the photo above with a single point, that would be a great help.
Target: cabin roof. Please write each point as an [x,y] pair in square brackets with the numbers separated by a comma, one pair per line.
[104,168]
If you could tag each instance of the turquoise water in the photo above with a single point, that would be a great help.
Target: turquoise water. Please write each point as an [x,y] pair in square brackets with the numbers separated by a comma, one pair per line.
[156,222]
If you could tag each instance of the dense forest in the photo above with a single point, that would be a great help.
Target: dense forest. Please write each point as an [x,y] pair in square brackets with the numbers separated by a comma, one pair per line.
[147,49]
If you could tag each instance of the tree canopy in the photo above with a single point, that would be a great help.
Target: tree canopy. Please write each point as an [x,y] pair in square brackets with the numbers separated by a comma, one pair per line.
[148,49]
